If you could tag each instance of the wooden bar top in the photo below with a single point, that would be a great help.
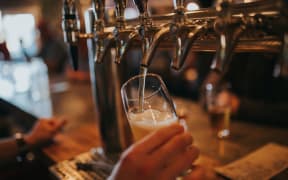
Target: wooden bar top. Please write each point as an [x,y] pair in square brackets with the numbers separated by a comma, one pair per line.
[81,133]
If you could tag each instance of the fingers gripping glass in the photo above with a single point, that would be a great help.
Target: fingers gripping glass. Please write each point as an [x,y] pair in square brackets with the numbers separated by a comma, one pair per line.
[147,104]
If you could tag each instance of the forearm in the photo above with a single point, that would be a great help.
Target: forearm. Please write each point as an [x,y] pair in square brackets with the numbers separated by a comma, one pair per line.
[263,112]
[9,149]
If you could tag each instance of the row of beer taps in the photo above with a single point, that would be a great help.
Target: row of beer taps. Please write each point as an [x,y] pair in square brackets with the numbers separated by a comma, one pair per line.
[229,22]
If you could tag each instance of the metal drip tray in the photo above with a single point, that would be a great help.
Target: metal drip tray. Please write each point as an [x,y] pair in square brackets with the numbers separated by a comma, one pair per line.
[85,166]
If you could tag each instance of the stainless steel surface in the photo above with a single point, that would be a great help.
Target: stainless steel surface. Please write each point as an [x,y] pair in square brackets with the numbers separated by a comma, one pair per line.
[253,27]
[229,31]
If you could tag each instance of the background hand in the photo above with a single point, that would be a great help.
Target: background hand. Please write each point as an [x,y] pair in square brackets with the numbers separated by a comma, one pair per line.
[44,130]
[226,98]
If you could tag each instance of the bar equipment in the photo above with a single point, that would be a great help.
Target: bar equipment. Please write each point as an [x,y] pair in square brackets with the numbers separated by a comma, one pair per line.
[249,27]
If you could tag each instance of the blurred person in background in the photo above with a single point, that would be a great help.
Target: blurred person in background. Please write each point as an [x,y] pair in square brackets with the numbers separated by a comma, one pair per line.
[42,132]
[52,48]
[250,88]
[254,93]
[20,155]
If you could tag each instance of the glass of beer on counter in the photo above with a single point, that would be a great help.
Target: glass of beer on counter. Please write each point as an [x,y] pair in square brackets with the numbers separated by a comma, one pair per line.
[219,111]
[147,104]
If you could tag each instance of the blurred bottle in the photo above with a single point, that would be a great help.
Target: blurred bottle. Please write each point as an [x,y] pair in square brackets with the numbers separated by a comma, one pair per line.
[4,52]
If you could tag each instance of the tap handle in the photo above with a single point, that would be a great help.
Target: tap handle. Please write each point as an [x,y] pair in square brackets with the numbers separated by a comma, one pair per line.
[70,21]
[224,8]
[141,5]
[178,4]
[98,9]
[120,6]
[71,29]
[74,56]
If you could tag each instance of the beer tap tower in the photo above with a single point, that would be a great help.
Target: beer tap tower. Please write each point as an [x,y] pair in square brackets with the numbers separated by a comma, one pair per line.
[223,30]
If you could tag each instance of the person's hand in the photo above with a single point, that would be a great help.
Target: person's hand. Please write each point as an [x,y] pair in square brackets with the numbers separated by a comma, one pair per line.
[44,130]
[164,154]
[226,98]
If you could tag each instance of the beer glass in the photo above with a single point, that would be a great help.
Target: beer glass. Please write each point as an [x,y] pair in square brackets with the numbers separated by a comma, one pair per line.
[147,104]
[218,111]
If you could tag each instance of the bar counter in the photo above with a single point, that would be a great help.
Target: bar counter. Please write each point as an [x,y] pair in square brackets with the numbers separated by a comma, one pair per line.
[81,133]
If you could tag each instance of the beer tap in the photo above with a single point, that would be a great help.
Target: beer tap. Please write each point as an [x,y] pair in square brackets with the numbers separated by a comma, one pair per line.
[229,31]
[103,40]
[183,50]
[123,35]
[146,30]
[167,30]
[71,29]
[182,26]
[141,31]
[175,30]
[178,27]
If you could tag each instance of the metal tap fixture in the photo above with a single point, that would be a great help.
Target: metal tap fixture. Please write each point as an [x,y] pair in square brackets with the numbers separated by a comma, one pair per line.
[71,29]
[172,29]
[191,30]
[180,31]
[202,30]
[146,29]
[229,31]
[103,39]
[120,27]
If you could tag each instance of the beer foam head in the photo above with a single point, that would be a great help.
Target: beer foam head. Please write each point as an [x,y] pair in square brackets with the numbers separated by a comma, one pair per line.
[152,118]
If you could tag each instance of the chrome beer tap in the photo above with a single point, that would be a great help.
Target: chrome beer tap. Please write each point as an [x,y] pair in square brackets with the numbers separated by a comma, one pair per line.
[183,28]
[134,34]
[71,29]
[229,31]
[123,35]
[182,49]
[103,40]
[178,26]
[191,30]
[146,30]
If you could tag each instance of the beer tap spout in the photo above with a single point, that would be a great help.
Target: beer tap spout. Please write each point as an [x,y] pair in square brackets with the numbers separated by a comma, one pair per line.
[71,29]
[123,36]
[183,50]
[126,46]
[157,38]
[229,31]
[184,33]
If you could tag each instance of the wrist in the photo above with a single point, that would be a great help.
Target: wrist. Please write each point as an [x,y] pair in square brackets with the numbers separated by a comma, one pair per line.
[23,147]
